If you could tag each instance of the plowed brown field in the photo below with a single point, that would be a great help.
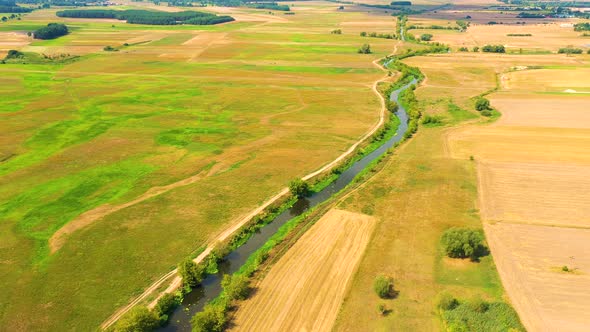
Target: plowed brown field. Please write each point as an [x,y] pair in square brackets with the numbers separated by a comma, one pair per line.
[304,290]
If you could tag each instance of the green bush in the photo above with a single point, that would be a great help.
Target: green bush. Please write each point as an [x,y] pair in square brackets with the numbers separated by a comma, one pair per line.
[487,113]
[447,302]
[192,274]
[570,50]
[426,37]
[482,104]
[432,120]
[481,316]
[211,319]
[166,305]
[14,54]
[383,286]
[236,287]
[138,319]
[365,49]
[494,49]
[299,188]
[392,106]
[463,243]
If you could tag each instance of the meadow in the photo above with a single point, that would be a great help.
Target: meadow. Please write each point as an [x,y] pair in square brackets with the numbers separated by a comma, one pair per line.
[118,165]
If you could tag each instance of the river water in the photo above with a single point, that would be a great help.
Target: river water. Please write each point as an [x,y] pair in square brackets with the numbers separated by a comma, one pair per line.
[211,285]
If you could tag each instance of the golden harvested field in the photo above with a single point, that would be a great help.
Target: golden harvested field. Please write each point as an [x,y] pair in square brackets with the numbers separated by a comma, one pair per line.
[545,37]
[554,194]
[534,171]
[573,80]
[557,111]
[530,259]
[305,288]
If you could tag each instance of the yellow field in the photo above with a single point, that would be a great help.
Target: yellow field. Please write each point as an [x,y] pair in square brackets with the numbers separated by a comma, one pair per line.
[534,171]
[530,259]
[305,288]
[548,37]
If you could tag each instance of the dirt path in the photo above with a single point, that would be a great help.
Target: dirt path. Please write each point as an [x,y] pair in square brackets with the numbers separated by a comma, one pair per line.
[176,281]
[304,290]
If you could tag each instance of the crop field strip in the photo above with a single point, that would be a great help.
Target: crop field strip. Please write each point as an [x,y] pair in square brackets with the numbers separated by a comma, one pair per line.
[303,291]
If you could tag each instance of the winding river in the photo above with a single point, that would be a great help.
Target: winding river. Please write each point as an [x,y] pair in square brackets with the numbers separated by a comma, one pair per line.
[211,286]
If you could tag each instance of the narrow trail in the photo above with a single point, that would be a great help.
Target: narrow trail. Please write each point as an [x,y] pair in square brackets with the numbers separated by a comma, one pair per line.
[240,222]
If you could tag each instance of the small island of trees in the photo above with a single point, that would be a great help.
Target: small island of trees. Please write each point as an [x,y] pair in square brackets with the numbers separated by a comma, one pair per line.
[137,16]
[51,31]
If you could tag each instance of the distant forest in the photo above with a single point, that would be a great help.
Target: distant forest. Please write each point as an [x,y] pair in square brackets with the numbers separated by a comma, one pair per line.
[149,17]
[10,6]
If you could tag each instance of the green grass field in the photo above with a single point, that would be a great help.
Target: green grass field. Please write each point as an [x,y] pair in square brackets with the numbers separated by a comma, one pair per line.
[248,106]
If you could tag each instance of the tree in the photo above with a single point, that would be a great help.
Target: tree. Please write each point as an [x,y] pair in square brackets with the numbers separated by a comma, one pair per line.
[166,305]
[391,105]
[236,287]
[211,319]
[51,31]
[463,243]
[299,188]
[363,34]
[426,37]
[447,302]
[336,32]
[365,49]
[192,274]
[463,49]
[138,319]
[482,104]
[383,286]
[475,48]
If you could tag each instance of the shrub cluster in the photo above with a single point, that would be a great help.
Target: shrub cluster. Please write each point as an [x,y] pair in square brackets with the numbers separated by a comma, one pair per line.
[138,16]
[478,315]
[383,286]
[570,50]
[269,5]
[463,243]
[426,37]
[51,31]
[530,15]
[142,319]
[582,26]
[494,49]
[299,188]
[377,35]
[432,27]
[365,49]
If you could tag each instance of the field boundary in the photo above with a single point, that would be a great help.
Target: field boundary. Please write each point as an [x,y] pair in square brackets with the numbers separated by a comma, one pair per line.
[176,282]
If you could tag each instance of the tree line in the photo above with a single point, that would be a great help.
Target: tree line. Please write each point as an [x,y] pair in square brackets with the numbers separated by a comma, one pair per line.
[10,6]
[136,16]
[269,5]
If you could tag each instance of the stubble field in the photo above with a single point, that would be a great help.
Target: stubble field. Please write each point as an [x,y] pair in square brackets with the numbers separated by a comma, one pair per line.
[533,191]
[305,288]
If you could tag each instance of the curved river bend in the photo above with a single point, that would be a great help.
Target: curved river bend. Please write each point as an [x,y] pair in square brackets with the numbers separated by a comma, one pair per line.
[211,286]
